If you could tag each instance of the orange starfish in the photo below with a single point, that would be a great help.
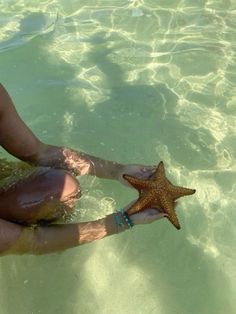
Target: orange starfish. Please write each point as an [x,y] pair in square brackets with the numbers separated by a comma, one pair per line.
[157,192]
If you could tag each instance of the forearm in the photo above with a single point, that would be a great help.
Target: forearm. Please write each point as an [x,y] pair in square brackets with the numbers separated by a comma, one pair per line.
[77,162]
[19,141]
[55,238]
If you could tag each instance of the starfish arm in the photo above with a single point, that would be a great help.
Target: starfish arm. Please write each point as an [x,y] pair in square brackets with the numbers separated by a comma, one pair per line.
[157,191]
[159,174]
[137,183]
[178,191]
[168,206]
[142,203]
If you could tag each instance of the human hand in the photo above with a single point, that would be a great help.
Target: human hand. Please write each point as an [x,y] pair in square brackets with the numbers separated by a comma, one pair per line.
[146,216]
[139,171]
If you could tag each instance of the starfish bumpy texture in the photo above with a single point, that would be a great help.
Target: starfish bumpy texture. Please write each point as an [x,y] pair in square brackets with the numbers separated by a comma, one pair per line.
[157,192]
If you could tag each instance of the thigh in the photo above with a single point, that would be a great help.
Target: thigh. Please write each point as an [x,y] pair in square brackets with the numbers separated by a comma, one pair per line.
[44,195]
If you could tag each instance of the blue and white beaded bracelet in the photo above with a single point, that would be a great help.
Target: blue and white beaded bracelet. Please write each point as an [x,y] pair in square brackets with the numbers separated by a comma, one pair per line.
[126,218]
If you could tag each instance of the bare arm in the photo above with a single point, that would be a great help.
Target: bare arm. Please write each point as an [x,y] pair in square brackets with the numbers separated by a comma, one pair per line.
[77,162]
[19,140]
[16,239]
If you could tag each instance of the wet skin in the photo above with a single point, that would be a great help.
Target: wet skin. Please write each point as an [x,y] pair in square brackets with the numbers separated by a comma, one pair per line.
[45,195]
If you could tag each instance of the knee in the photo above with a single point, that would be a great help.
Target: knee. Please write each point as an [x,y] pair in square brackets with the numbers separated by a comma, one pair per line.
[62,201]
[71,188]
[61,185]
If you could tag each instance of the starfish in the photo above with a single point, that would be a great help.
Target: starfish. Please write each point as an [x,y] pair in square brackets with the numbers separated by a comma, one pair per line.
[157,192]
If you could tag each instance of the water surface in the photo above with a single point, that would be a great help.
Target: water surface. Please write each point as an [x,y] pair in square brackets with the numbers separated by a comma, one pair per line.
[136,82]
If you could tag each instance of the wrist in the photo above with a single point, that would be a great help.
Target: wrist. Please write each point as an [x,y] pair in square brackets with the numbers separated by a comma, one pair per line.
[104,168]
[117,222]
[116,171]
[110,225]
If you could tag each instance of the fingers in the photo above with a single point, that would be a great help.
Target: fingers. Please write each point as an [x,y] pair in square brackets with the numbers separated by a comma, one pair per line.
[160,216]
[148,216]
[147,171]
[155,213]
[139,171]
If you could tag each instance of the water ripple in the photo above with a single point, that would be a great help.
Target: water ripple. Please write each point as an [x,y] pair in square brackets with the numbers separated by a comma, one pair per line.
[170,68]
[23,26]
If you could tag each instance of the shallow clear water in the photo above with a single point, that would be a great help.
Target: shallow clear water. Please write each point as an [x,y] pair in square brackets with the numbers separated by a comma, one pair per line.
[136,82]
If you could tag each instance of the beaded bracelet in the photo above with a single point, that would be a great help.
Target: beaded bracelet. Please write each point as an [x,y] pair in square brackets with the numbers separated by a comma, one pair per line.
[126,218]
[118,220]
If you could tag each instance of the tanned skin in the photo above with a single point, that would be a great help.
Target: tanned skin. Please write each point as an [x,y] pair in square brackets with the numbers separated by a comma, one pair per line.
[55,174]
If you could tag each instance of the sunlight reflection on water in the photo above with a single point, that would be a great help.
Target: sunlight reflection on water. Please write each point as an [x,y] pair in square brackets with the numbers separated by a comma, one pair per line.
[162,77]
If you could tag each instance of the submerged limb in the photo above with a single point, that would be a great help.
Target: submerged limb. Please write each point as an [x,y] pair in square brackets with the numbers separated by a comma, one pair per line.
[17,239]
[44,195]
[76,162]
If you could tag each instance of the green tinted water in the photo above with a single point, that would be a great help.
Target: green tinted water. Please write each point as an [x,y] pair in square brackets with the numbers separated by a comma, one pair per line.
[136,82]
